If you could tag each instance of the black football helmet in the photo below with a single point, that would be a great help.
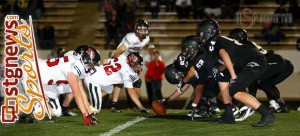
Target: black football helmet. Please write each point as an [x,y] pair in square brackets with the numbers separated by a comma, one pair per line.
[141,29]
[173,75]
[80,49]
[89,57]
[207,29]
[189,46]
[60,52]
[135,61]
[238,34]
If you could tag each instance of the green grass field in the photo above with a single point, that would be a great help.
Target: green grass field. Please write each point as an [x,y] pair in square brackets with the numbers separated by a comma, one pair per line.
[175,123]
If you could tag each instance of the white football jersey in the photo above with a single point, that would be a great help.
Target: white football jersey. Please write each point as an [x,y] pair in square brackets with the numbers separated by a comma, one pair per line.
[133,43]
[54,71]
[117,71]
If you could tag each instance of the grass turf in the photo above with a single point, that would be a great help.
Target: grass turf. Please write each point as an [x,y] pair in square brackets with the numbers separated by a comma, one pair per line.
[175,123]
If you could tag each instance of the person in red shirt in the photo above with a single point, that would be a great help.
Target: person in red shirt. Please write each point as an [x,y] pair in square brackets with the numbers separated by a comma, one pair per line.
[155,74]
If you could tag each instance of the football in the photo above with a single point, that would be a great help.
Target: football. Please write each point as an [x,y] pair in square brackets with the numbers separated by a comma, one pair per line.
[158,108]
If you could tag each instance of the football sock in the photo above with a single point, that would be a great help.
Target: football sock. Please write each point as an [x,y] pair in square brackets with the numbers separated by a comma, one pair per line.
[64,108]
[114,104]
[228,109]
[263,110]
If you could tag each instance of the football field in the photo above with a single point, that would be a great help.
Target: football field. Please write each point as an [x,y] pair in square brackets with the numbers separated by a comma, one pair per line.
[175,123]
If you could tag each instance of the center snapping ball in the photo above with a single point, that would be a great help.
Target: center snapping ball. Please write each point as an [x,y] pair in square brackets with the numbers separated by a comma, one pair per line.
[158,108]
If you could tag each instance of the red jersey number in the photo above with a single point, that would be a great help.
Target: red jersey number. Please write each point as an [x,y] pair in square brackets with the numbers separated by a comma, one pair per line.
[109,69]
[56,61]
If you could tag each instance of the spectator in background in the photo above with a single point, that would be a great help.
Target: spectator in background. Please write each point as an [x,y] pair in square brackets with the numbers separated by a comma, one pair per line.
[183,8]
[147,5]
[129,17]
[147,59]
[48,37]
[121,12]
[108,9]
[112,26]
[154,8]
[213,9]
[11,7]
[170,5]
[294,10]
[198,8]
[271,33]
[155,74]
[298,44]
[250,2]
[36,8]
[231,7]
[281,15]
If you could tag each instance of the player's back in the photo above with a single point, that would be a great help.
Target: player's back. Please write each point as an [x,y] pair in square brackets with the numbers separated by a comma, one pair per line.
[116,71]
[54,71]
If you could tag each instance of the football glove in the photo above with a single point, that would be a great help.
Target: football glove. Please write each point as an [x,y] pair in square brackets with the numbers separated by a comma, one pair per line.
[180,85]
[164,100]
[86,119]
[232,81]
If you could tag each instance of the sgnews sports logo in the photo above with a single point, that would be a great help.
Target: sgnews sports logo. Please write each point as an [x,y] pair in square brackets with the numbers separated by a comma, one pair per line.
[20,46]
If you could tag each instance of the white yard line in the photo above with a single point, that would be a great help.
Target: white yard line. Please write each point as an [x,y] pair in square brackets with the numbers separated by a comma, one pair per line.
[124,126]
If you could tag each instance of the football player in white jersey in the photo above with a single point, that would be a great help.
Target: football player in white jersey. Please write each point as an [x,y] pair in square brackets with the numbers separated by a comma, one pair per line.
[132,42]
[63,75]
[116,71]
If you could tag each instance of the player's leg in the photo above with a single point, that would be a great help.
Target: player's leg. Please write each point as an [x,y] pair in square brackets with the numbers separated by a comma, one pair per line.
[65,89]
[95,97]
[115,98]
[245,77]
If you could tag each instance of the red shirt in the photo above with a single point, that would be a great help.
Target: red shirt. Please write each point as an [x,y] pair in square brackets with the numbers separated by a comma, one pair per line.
[155,70]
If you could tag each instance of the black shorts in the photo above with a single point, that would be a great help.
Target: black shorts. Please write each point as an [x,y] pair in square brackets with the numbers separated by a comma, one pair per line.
[249,73]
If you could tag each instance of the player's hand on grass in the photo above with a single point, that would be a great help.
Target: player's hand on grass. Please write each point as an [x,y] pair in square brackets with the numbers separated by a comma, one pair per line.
[86,119]
[144,111]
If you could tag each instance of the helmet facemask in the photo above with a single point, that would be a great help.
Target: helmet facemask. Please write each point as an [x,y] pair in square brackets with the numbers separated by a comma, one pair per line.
[135,63]
[141,32]
[87,64]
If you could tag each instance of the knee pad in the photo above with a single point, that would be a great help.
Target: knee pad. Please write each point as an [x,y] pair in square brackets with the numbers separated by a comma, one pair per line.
[137,84]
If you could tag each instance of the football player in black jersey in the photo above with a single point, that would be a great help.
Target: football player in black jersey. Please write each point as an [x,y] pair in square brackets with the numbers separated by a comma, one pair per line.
[278,70]
[194,65]
[244,64]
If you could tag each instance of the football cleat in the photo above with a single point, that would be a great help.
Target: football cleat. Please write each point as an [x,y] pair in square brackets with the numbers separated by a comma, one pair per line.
[225,119]
[284,109]
[298,109]
[67,112]
[236,112]
[115,109]
[192,113]
[245,112]
[202,113]
[215,111]
[264,121]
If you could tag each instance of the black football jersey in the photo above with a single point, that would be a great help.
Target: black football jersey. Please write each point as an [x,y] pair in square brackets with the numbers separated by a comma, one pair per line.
[240,54]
